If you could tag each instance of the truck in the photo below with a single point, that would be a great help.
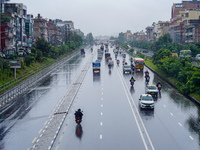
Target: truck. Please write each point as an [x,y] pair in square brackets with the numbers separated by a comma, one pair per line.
[96,66]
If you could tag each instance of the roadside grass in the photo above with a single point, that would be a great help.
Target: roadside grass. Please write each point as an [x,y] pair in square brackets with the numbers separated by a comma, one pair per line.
[195,95]
[149,63]
[4,79]
[20,72]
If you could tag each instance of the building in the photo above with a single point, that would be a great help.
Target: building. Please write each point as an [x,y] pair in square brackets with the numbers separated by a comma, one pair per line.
[7,36]
[128,35]
[79,32]
[17,15]
[139,36]
[52,32]
[66,28]
[180,15]
[163,28]
[40,28]
[29,32]
[149,34]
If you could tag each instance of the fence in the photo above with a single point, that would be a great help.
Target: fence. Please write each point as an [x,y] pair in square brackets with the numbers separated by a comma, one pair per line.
[27,80]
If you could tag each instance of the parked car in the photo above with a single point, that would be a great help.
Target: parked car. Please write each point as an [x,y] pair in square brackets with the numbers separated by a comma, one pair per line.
[152,89]
[21,52]
[146,101]
[126,68]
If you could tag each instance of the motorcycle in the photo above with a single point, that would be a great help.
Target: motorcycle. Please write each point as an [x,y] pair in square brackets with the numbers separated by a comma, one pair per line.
[118,62]
[132,83]
[78,119]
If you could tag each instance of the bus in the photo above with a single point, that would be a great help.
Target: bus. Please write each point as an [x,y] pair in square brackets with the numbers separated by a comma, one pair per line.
[139,63]
[185,53]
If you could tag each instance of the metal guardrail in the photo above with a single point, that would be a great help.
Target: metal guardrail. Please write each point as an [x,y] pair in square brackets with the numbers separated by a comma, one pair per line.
[26,81]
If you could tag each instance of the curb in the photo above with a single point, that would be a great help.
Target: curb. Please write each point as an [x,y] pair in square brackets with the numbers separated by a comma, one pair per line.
[171,84]
[174,86]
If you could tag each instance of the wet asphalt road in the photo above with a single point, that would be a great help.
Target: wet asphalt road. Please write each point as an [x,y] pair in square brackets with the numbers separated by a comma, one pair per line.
[108,121]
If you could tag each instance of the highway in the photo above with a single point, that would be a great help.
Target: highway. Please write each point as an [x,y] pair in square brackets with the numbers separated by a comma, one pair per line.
[112,118]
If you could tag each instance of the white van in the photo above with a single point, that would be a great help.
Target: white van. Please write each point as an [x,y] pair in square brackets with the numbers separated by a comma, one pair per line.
[21,52]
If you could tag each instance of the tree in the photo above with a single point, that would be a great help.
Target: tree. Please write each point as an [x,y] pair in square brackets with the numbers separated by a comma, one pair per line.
[89,38]
[131,50]
[5,18]
[162,53]
[43,45]
[121,37]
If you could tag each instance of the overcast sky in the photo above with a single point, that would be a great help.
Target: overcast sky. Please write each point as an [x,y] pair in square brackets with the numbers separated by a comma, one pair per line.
[103,17]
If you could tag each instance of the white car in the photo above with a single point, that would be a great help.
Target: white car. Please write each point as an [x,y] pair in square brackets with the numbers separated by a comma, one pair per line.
[126,68]
[152,89]
[110,62]
[146,101]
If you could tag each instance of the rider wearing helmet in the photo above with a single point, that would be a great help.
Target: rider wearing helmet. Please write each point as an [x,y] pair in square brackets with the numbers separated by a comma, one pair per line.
[146,72]
[132,79]
[118,61]
[78,113]
[159,84]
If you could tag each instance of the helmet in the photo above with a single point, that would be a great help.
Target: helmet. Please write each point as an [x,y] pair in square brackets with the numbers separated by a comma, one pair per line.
[79,109]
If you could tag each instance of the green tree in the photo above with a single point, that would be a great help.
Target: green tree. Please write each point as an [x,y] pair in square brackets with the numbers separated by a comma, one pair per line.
[121,37]
[89,38]
[5,18]
[43,45]
[162,53]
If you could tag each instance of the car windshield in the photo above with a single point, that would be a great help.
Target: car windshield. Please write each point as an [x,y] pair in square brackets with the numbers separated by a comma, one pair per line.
[139,63]
[127,66]
[147,98]
[152,87]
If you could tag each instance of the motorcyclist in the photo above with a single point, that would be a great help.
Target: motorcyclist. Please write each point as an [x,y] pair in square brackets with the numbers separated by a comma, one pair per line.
[132,79]
[146,73]
[131,59]
[118,61]
[147,77]
[132,67]
[123,62]
[159,85]
[109,65]
[78,113]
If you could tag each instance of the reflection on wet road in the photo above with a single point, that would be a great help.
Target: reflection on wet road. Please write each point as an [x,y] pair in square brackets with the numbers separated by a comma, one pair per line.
[108,121]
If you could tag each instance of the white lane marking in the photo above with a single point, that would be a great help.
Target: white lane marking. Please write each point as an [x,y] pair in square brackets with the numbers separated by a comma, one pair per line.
[140,119]
[191,137]
[101,105]
[102,93]
[101,114]
[164,105]
[101,123]
[180,124]
[171,114]
[101,136]
[102,88]
[101,98]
